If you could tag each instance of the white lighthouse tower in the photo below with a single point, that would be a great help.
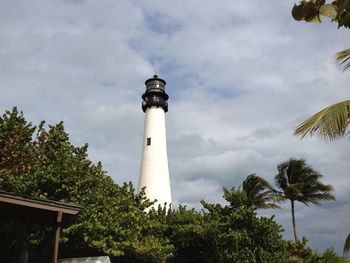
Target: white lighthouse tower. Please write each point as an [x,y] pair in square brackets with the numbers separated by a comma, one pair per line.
[154,174]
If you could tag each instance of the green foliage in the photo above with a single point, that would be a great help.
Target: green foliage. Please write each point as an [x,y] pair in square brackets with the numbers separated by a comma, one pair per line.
[346,247]
[186,230]
[17,150]
[308,10]
[343,58]
[222,233]
[41,162]
[46,165]
[237,234]
[229,233]
[303,254]
[330,123]
[298,182]
[312,10]
[259,192]
[338,11]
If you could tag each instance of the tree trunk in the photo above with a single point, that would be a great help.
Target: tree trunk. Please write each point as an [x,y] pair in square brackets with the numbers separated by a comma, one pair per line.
[293,221]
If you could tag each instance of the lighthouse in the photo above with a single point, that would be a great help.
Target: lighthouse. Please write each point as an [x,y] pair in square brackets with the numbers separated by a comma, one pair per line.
[154,173]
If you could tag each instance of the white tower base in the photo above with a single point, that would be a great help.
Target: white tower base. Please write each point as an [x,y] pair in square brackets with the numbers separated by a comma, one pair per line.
[154,173]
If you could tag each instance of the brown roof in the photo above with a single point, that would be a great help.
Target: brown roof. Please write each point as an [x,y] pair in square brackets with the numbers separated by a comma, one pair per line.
[36,211]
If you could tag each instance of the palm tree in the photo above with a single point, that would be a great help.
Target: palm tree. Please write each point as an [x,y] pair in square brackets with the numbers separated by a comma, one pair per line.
[259,192]
[330,123]
[346,245]
[298,182]
[338,11]
[343,58]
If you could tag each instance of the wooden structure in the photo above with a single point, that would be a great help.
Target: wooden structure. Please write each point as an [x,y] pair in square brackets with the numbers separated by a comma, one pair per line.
[103,259]
[29,210]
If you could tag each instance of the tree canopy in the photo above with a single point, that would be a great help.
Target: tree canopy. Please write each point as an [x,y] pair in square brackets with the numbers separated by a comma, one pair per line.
[331,122]
[46,165]
[313,10]
[259,192]
[338,11]
[298,182]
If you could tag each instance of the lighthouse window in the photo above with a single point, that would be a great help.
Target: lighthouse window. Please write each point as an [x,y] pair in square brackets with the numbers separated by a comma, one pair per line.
[149,141]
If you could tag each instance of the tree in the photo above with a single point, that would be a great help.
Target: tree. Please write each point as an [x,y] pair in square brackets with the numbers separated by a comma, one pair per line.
[338,11]
[186,230]
[343,58]
[222,233]
[17,149]
[112,222]
[330,123]
[237,234]
[346,245]
[298,182]
[259,192]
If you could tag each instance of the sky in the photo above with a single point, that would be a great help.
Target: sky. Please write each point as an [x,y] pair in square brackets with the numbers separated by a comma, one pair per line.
[241,75]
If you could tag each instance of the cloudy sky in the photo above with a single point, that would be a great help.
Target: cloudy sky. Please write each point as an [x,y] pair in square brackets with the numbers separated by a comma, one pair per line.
[240,76]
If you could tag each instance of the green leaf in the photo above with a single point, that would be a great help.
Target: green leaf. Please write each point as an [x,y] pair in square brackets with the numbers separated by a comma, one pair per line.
[328,10]
[330,123]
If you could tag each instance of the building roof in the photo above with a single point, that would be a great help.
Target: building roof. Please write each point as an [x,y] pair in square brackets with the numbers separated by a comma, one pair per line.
[36,211]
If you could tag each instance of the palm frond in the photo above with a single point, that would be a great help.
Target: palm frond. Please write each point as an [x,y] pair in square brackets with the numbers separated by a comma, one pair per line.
[255,183]
[343,58]
[330,123]
[316,198]
[346,245]
[270,206]
[297,181]
[259,192]
[280,197]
